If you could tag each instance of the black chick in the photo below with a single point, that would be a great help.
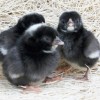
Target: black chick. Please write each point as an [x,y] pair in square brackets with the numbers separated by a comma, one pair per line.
[34,57]
[9,37]
[81,48]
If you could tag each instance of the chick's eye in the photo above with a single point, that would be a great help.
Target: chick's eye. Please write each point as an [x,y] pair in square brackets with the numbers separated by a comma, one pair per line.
[62,21]
[77,21]
[47,39]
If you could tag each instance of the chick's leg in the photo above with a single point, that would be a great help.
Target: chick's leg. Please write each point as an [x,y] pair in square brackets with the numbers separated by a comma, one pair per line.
[30,88]
[85,77]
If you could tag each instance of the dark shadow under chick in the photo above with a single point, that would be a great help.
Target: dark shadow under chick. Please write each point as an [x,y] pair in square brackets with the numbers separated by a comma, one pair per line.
[9,37]
[81,48]
[34,57]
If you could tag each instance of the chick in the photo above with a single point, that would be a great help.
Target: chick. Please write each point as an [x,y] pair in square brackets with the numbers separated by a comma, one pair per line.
[9,37]
[34,57]
[81,49]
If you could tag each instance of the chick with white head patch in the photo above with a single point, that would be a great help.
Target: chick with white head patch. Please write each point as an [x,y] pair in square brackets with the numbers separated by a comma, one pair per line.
[34,57]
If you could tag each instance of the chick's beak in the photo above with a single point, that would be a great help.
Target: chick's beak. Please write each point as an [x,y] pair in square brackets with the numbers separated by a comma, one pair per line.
[55,44]
[70,26]
[58,41]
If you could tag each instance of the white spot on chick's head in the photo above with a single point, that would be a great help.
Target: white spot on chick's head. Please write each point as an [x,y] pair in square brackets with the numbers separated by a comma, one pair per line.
[34,28]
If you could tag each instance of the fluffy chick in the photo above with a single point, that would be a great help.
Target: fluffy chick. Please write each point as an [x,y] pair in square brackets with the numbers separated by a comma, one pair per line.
[9,37]
[34,57]
[81,49]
